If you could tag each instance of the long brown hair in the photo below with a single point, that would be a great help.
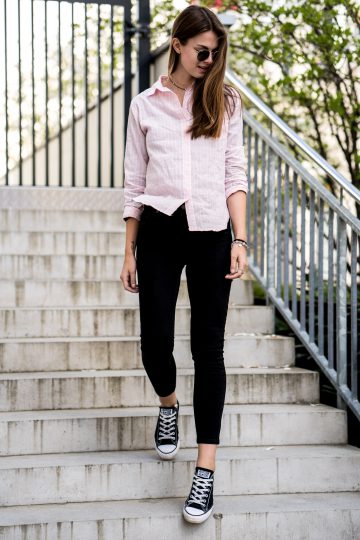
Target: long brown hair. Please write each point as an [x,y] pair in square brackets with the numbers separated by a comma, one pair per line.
[211,96]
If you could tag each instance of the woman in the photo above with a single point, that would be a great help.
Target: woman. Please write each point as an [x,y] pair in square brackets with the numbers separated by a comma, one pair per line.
[184,176]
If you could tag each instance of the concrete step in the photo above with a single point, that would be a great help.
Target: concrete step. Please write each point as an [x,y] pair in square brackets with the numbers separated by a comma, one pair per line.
[100,476]
[132,428]
[117,321]
[60,266]
[65,198]
[305,516]
[68,267]
[62,243]
[47,354]
[131,388]
[60,292]
[26,219]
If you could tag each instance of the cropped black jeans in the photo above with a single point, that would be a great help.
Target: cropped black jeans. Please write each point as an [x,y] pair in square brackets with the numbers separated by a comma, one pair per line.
[164,246]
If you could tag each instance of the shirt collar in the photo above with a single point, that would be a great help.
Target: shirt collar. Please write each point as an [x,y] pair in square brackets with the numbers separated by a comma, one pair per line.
[158,86]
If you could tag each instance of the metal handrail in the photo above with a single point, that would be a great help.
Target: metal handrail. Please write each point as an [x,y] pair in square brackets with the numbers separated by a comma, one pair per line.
[286,217]
[290,133]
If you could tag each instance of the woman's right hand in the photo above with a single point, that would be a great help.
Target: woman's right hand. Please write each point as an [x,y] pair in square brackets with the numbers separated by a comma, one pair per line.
[128,273]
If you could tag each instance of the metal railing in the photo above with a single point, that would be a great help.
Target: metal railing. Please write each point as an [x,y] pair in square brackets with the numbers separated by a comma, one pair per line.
[314,157]
[304,249]
[67,74]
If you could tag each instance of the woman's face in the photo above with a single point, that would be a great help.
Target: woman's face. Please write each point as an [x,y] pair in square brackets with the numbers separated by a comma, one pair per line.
[188,53]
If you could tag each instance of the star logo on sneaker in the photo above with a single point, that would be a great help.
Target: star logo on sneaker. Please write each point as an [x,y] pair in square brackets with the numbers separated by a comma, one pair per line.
[203,474]
[167,412]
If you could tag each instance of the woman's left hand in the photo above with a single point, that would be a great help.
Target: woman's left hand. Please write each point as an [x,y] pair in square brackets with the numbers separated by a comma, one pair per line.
[238,262]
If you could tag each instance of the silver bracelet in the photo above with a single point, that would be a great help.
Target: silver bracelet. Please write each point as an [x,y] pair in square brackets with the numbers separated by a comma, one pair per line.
[239,243]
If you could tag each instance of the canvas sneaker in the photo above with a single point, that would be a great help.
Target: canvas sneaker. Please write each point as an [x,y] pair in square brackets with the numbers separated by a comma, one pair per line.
[199,504]
[167,442]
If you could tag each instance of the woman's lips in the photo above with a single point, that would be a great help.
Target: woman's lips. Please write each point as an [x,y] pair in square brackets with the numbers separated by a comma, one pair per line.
[202,69]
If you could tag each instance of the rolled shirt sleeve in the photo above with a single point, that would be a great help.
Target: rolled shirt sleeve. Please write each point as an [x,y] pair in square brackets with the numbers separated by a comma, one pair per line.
[135,164]
[235,160]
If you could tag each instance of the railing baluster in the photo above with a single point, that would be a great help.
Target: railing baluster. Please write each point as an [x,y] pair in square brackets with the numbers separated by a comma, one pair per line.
[354,317]
[112,96]
[294,308]
[279,213]
[330,351]
[46,98]
[341,325]
[99,96]
[33,142]
[320,285]
[302,271]
[248,172]
[286,237]
[86,101]
[20,98]
[143,43]
[262,207]
[312,269]
[6,97]
[144,14]
[270,219]
[73,150]
[60,173]
[256,199]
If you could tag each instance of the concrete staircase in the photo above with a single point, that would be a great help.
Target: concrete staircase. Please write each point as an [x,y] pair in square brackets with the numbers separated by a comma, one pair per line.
[78,414]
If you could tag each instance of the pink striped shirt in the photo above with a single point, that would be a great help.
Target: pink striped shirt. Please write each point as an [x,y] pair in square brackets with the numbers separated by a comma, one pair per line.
[164,168]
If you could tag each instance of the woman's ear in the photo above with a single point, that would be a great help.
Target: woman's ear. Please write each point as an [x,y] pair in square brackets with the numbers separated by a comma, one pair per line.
[176,45]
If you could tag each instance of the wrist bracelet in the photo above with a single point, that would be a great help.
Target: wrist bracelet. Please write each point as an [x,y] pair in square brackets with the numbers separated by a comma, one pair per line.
[240,242]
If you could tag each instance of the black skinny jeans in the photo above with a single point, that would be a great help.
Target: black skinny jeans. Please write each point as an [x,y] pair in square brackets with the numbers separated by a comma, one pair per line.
[164,246]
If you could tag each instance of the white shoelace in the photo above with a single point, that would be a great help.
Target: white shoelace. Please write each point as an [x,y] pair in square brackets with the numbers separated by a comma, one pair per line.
[200,490]
[167,426]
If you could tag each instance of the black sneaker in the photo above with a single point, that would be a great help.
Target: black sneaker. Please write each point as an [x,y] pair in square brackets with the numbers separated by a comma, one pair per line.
[167,441]
[199,504]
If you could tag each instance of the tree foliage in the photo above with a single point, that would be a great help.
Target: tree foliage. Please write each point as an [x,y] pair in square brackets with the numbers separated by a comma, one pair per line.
[302,58]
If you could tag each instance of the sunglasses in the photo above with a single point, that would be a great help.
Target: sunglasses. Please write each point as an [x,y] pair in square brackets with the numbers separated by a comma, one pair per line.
[203,54]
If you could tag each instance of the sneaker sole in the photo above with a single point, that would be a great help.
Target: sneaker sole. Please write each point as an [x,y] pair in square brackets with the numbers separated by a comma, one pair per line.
[170,455]
[196,519]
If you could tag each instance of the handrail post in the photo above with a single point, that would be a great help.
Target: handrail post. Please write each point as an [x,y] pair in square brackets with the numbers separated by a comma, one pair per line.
[144,55]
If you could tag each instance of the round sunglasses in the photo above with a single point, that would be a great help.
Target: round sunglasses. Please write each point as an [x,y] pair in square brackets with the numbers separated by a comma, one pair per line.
[203,54]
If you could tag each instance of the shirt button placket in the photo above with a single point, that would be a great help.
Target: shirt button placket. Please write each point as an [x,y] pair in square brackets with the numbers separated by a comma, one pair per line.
[186,139]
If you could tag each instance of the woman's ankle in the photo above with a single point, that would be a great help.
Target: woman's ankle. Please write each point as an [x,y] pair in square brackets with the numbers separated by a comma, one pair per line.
[206,456]
[168,401]
[206,465]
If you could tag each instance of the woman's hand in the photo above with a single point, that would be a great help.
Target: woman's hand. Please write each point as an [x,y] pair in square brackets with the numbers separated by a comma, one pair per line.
[128,273]
[238,261]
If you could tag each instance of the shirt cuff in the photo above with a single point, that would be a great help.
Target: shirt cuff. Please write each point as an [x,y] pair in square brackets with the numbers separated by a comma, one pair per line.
[233,189]
[132,211]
